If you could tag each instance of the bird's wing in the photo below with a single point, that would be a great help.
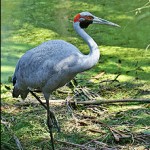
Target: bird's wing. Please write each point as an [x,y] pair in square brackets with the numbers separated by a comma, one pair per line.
[39,64]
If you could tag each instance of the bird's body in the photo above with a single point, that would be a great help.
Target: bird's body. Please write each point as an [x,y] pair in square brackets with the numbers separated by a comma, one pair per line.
[46,67]
[54,63]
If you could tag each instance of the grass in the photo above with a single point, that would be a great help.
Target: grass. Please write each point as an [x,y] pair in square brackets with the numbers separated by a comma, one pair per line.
[124,52]
[22,31]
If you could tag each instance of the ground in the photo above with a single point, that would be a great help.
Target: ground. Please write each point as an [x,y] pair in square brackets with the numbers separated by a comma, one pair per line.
[116,126]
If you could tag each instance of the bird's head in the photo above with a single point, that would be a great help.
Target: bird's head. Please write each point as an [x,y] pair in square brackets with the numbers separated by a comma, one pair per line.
[86,18]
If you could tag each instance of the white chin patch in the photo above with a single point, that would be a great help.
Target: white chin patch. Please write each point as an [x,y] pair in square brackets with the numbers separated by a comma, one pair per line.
[81,19]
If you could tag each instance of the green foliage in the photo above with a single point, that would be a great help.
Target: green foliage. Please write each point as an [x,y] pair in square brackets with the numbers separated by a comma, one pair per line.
[28,23]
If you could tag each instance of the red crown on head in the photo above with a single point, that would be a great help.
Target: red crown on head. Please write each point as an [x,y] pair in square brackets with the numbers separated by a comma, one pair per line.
[77,17]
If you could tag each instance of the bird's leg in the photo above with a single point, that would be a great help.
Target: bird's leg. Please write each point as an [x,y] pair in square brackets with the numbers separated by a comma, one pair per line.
[49,123]
[38,99]
[52,115]
[54,121]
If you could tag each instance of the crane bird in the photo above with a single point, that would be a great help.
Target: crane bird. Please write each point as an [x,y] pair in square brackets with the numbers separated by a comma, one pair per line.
[54,63]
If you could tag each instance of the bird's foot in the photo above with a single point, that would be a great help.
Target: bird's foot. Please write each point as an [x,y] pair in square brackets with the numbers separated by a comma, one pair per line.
[50,127]
[54,121]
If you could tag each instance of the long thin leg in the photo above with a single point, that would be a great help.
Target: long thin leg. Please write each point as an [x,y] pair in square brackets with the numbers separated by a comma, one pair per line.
[54,120]
[38,99]
[50,124]
[50,117]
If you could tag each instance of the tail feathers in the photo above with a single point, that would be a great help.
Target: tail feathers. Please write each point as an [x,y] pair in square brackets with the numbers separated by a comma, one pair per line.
[14,80]
[16,92]
[23,93]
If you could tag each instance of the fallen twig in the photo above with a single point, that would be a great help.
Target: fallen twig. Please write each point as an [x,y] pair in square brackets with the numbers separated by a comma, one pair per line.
[90,102]
[97,102]
[98,75]
[96,131]
[28,103]
[86,116]
[117,134]
[64,92]
[100,143]
[84,93]
[142,138]
[83,147]
[83,123]
[91,141]
[7,124]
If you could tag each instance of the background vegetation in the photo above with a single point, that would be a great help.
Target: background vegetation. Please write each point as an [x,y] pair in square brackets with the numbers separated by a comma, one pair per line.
[124,54]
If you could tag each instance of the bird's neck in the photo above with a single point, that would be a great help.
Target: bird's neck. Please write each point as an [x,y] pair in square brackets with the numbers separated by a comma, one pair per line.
[87,61]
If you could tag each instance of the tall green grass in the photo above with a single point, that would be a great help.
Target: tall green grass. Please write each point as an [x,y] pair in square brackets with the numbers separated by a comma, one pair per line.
[26,24]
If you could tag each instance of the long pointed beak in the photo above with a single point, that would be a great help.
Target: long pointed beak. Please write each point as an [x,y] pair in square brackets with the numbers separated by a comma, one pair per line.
[102,21]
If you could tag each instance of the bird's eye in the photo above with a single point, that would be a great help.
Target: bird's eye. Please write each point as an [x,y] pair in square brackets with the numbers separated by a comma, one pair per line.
[89,17]
[86,18]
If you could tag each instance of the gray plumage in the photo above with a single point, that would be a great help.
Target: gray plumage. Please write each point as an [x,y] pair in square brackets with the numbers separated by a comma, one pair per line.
[54,63]
[48,67]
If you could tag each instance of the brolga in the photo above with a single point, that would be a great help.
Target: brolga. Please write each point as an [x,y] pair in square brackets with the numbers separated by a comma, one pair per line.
[54,63]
